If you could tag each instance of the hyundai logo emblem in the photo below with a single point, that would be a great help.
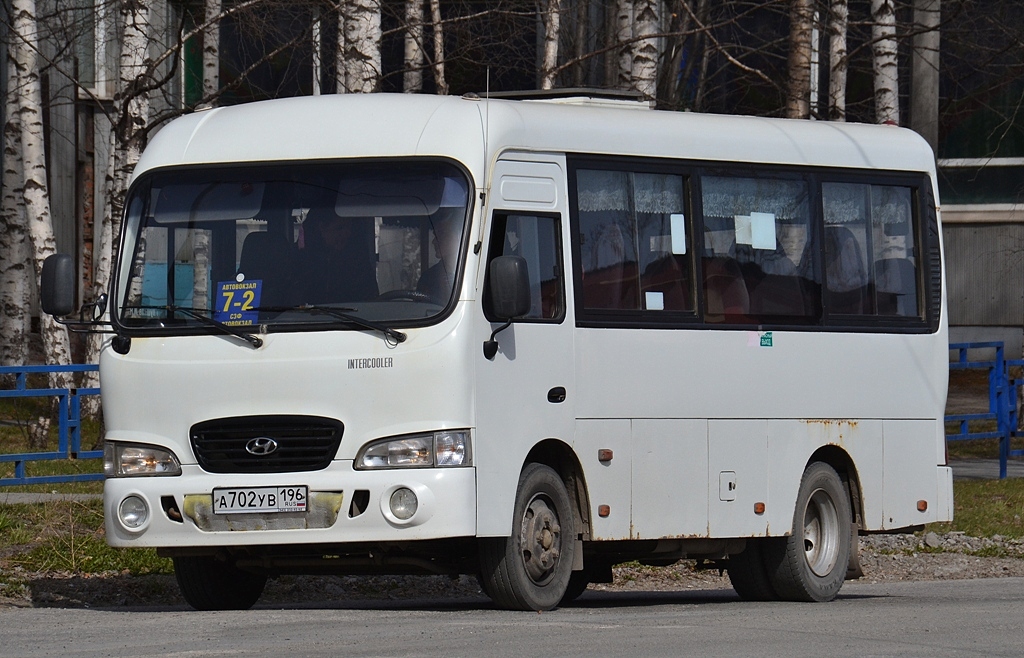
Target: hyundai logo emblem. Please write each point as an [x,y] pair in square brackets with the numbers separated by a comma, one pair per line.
[261,446]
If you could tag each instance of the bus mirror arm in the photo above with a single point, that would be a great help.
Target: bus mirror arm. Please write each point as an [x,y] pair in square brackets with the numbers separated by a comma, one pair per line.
[491,345]
[509,295]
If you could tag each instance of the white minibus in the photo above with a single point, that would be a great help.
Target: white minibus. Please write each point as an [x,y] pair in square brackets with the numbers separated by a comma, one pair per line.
[522,339]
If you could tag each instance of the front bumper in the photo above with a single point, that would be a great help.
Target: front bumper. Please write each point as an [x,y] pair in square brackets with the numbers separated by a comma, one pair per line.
[447,508]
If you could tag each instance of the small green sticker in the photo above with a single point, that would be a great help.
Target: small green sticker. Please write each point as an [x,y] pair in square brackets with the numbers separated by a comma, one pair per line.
[766,339]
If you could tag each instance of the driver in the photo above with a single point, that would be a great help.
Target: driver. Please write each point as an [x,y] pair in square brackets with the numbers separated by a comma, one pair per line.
[337,261]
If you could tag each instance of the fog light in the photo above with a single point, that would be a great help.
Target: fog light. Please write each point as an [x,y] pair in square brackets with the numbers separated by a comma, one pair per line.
[403,504]
[133,512]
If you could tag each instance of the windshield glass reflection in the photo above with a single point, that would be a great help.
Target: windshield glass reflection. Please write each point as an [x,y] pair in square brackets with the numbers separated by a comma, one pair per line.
[268,245]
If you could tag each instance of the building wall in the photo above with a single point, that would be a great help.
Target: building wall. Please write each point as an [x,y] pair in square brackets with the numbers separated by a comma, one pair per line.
[985,282]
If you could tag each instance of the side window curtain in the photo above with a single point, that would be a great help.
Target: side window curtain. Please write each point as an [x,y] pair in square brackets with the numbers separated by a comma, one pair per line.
[633,241]
[537,239]
[871,255]
[759,254]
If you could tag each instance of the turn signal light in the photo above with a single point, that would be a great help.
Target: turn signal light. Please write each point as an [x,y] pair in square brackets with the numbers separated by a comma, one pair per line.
[922,506]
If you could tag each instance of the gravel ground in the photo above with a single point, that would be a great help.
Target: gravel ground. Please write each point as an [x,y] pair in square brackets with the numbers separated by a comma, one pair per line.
[884,558]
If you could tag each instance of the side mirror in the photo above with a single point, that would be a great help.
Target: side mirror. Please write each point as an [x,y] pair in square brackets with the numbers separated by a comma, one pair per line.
[57,285]
[510,295]
[510,287]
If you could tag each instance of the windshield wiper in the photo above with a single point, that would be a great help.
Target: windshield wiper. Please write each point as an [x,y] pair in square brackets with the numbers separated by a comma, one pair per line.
[340,314]
[252,339]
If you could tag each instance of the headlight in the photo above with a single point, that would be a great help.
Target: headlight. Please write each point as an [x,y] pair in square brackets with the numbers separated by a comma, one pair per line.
[124,460]
[450,448]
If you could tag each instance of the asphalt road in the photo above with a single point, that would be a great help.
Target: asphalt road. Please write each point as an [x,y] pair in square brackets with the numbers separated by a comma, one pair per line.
[951,618]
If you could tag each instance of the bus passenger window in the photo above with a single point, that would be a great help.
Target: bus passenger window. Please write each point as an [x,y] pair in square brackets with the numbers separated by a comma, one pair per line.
[870,254]
[538,240]
[633,241]
[759,260]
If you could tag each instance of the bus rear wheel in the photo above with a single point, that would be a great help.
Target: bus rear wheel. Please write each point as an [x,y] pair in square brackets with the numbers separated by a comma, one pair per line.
[530,569]
[207,583]
[810,565]
[748,574]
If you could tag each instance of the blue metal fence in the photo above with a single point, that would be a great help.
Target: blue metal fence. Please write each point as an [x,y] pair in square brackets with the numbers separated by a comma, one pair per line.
[69,424]
[1002,409]
[1002,398]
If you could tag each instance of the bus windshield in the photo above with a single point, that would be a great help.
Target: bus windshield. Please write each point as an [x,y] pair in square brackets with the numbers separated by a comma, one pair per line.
[289,245]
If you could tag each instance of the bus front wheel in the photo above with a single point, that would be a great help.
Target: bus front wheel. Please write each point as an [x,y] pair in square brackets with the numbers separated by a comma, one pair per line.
[810,565]
[530,569]
[210,584]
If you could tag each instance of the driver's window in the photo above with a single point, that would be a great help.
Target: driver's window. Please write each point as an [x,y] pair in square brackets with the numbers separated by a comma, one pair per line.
[537,239]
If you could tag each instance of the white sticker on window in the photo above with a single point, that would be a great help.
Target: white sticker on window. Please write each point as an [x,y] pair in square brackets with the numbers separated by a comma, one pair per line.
[742,223]
[762,230]
[678,224]
[654,301]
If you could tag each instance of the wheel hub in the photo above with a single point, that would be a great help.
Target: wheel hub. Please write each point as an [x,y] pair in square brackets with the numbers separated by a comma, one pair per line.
[541,540]
[821,533]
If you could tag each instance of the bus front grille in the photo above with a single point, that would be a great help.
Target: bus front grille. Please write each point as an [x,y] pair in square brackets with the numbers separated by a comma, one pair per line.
[266,444]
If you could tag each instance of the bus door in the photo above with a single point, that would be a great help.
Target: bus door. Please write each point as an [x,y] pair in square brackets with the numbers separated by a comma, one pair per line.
[525,392]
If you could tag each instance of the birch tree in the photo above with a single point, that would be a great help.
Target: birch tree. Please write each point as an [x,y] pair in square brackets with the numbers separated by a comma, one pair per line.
[624,37]
[56,346]
[440,81]
[884,51]
[645,51]
[839,12]
[412,77]
[15,261]
[359,38]
[551,18]
[212,10]
[801,26]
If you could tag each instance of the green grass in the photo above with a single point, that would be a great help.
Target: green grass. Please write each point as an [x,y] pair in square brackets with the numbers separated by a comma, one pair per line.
[983,508]
[66,536]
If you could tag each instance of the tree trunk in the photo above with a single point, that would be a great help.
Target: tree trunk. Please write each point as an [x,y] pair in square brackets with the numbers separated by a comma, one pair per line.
[359,38]
[36,193]
[670,82]
[552,16]
[624,37]
[644,69]
[412,77]
[883,36]
[15,250]
[801,26]
[839,13]
[924,76]
[697,61]
[439,78]
[211,49]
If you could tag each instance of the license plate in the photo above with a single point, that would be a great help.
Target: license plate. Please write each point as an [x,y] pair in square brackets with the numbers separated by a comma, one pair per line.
[262,500]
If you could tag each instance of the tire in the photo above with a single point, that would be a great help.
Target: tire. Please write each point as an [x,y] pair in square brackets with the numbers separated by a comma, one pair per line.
[810,565]
[530,570]
[748,574]
[211,584]
[578,582]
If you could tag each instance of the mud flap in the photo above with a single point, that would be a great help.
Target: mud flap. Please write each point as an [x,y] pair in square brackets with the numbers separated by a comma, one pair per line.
[853,569]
